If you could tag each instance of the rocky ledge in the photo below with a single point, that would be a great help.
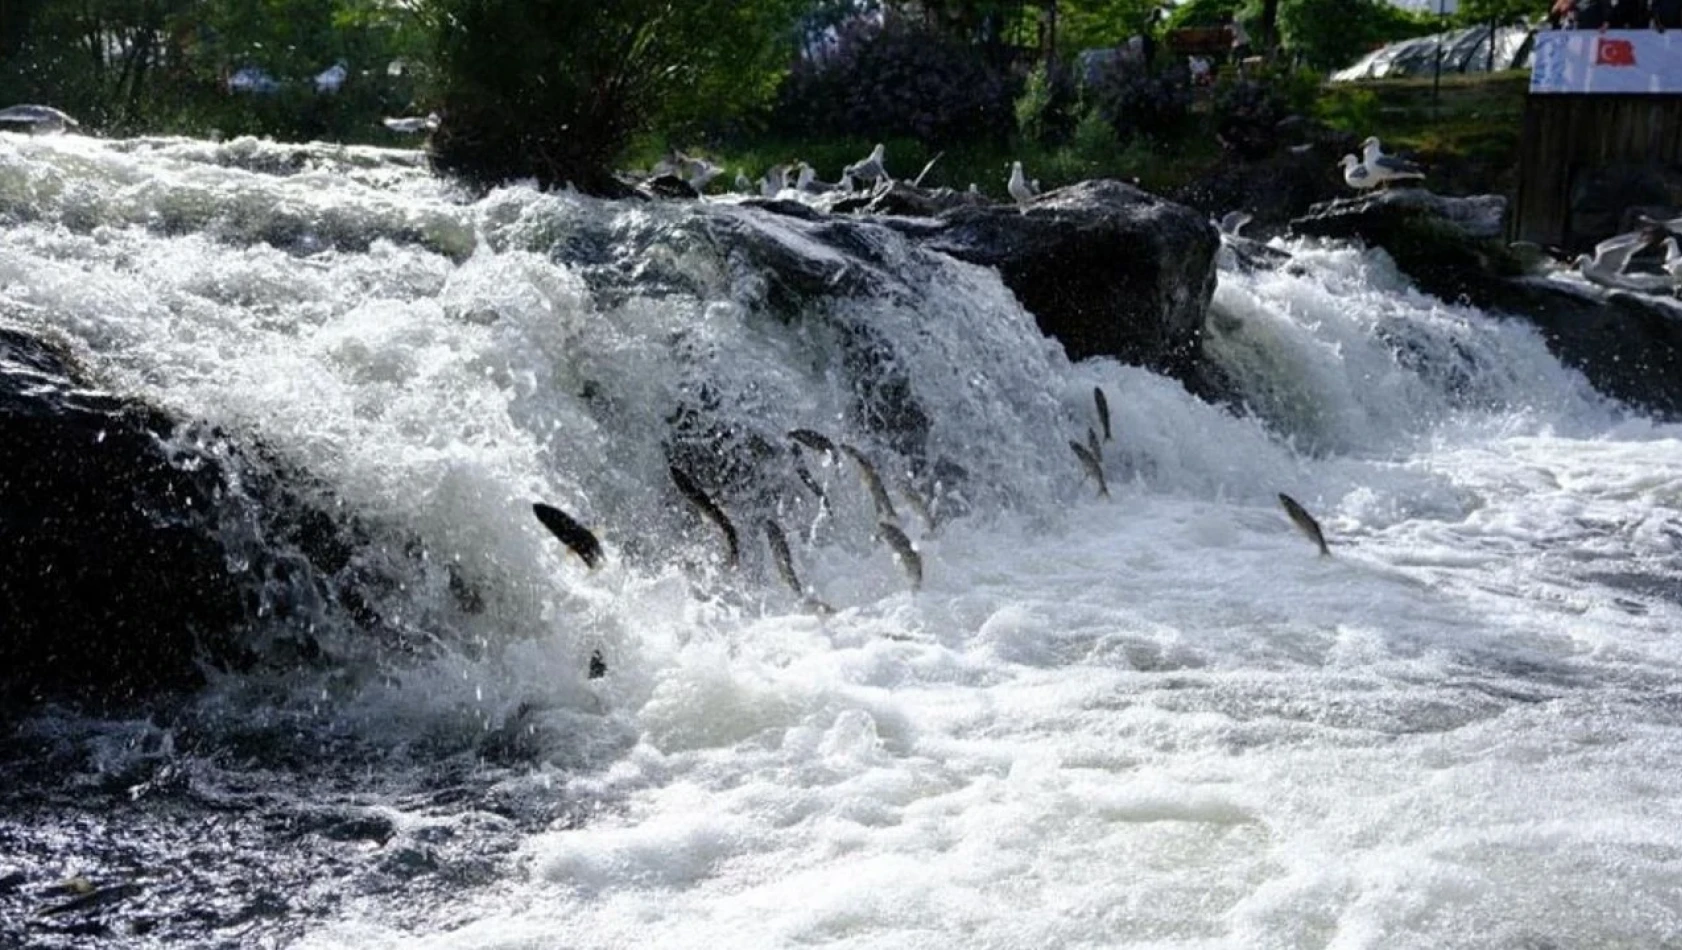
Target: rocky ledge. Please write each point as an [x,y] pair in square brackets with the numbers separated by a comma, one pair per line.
[1628,345]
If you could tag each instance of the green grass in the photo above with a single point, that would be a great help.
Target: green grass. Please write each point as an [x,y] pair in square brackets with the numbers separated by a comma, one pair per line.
[1467,132]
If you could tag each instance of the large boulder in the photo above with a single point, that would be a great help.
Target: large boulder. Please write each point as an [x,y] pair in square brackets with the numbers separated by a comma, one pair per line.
[1105,268]
[112,581]
[1628,345]
[141,550]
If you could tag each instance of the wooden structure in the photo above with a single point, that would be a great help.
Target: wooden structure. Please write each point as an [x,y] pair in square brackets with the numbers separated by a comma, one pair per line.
[1585,160]
[1602,136]
[1200,41]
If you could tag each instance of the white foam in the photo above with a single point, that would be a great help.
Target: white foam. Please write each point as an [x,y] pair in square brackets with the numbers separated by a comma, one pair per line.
[1160,720]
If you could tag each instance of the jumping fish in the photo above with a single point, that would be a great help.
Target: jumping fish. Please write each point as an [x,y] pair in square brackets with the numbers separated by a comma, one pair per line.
[598,666]
[779,553]
[810,482]
[1093,444]
[710,510]
[918,503]
[1103,409]
[878,492]
[1089,461]
[903,551]
[785,567]
[1305,522]
[816,441]
[572,534]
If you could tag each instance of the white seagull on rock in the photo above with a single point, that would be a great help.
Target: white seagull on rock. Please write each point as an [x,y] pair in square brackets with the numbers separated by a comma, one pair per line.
[1019,188]
[1384,168]
[1606,266]
[35,119]
[331,78]
[1355,174]
[775,180]
[871,167]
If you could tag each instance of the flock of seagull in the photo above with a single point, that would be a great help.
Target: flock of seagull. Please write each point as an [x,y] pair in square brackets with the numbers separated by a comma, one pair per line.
[699,173]
[1374,168]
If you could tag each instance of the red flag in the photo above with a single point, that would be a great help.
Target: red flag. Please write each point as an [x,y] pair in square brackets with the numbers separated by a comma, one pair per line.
[1614,53]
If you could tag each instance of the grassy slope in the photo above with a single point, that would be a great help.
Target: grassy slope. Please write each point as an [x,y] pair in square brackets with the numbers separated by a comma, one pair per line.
[1467,135]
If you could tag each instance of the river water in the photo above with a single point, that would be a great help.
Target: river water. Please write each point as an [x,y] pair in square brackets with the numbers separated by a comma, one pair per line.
[1154,720]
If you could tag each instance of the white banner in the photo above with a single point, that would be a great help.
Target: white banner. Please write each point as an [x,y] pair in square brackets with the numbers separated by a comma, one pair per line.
[1610,61]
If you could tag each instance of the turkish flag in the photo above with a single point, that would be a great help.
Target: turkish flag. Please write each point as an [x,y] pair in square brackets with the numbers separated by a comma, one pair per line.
[1614,53]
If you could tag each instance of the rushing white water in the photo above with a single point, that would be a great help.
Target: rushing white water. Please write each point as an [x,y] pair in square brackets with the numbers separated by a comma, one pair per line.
[1157,720]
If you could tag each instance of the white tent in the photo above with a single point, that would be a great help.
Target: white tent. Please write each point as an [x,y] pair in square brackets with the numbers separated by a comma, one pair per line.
[1463,51]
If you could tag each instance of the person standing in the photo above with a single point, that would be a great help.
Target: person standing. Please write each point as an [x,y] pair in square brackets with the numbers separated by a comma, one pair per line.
[1240,38]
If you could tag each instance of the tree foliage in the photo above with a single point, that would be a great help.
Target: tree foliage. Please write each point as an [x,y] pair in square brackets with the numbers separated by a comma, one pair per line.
[896,80]
[1498,11]
[1091,24]
[1331,34]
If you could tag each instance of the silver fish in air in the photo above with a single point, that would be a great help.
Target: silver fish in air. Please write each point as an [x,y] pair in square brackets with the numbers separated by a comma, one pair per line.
[811,439]
[785,567]
[575,536]
[903,551]
[878,492]
[1103,410]
[710,510]
[1090,462]
[1305,522]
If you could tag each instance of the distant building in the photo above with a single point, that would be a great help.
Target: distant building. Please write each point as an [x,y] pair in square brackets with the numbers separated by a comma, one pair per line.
[1462,51]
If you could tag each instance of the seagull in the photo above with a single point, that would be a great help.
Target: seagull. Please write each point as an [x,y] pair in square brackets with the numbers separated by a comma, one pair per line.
[1611,256]
[742,184]
[804,176]
[1384,168]
[331,78]
[775,180]
[1233,222]
[871,167]
[35,119]
[699,172]
[409,125]
[1355,174]
[1019,188]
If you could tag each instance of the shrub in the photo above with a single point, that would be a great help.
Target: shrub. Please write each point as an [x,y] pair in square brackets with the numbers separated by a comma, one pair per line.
[1246,114]
[1095,140]
[555,89]
[1137,102]
[1045,112]
[897,80]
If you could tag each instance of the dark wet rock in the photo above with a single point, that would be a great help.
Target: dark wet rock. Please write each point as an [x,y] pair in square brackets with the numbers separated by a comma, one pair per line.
[1275,189]
[668,186]
[1628,345]
[1451,247]
[141,549]
[903,198]
[1379,214]
[112,584]
[1105,268]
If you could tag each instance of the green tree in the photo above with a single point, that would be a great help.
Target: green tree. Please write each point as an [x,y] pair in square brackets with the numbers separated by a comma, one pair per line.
[555,89]
[1090,24]
[1331,34]
[1473,12]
